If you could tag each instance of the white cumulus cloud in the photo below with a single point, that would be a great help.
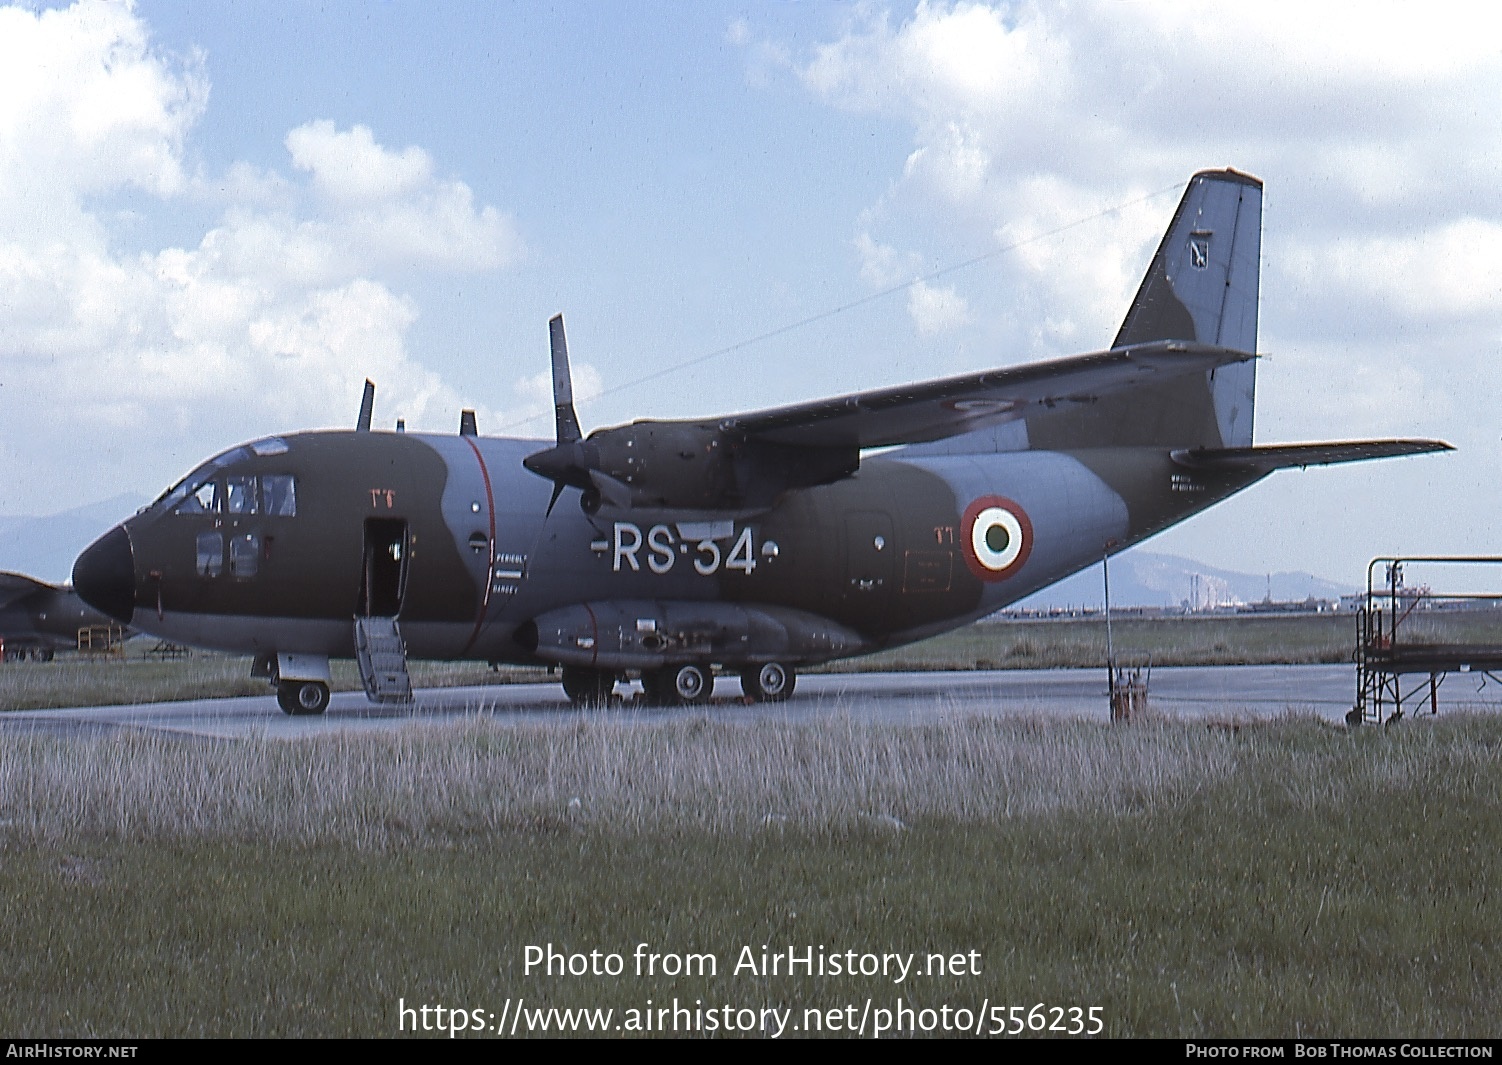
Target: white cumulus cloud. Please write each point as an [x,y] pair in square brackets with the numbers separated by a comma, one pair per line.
[1368,124]
[1375,127]
[936,310]
[268,321]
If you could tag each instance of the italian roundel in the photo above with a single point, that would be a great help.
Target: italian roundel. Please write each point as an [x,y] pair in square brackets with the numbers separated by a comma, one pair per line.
[997,537]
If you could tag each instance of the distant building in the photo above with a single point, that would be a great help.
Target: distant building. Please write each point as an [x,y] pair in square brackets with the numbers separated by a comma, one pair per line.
[1209,593]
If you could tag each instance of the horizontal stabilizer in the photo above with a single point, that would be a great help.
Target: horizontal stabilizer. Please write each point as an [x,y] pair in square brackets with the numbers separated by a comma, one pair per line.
[1269,457]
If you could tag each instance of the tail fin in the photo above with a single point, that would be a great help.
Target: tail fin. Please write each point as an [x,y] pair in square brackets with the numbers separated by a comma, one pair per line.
[1201,286]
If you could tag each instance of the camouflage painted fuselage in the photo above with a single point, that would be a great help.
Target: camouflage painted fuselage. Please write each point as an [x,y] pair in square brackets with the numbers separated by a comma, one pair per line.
[889,555]
[760,541]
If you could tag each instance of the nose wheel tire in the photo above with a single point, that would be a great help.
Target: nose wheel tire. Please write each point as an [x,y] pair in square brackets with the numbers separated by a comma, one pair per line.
[588,687]
[768,682]
[302,698]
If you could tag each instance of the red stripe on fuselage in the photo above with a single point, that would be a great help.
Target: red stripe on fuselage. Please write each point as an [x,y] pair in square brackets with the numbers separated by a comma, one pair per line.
[489,566]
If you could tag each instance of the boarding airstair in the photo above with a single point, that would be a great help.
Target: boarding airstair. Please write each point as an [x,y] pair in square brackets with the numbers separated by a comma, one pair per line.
[382,656]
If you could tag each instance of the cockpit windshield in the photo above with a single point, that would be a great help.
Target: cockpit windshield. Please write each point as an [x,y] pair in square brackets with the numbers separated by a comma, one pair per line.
[199,478]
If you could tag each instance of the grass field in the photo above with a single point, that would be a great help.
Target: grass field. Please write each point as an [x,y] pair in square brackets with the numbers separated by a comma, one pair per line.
[1283,879]
[1029,644]
[78,681]
[1168,641]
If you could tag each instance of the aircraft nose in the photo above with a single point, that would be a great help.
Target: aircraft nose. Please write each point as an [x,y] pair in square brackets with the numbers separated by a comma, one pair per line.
[104,576]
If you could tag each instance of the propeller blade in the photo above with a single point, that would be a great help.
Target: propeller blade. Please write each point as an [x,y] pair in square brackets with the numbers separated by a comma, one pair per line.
[367,407]
[563,384]
[567,463]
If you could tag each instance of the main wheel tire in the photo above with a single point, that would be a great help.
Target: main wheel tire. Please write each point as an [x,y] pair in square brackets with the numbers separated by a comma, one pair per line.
[302,698]
[690,684]
[588,687]
[768,682]
[654,687]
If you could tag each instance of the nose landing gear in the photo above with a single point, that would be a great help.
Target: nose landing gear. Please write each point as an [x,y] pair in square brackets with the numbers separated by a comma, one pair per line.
[301,698]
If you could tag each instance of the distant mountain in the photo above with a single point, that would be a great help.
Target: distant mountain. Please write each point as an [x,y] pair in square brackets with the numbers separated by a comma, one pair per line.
[46,547]
[1142,578]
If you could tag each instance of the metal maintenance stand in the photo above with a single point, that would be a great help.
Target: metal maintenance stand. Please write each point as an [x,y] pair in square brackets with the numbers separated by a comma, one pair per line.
[1403,632]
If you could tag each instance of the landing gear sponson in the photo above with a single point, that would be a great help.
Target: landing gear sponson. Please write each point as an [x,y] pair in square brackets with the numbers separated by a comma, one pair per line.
[672,646]
[680,684]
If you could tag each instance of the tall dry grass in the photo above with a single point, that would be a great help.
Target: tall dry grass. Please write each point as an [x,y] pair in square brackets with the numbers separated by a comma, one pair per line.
[479,776]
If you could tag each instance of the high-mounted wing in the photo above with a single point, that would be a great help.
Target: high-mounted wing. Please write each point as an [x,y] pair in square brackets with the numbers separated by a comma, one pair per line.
[934,410]
[15,586]
[745,462]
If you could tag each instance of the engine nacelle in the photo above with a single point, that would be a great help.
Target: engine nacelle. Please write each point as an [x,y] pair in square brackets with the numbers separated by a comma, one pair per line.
[687,466]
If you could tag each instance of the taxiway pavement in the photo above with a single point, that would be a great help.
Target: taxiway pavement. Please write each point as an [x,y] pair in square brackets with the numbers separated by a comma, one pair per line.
[1227,693]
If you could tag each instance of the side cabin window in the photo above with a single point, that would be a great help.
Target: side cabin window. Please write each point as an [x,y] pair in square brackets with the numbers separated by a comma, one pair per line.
[244,555]
[210,554]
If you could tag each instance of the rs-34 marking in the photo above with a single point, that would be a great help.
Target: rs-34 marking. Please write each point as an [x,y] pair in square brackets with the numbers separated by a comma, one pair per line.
[663,548]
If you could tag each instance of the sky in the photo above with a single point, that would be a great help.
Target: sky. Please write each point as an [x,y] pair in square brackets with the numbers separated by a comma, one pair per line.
[217,219]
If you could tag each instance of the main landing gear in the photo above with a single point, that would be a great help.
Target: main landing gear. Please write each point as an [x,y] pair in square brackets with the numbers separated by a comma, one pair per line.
[686,684]
[768,682]
[588,687]
[302,697]
[681,684]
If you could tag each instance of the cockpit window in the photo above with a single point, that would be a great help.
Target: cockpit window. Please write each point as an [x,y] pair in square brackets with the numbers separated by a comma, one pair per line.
[240,495]
[203,500]
[196,481]
[270,493]
[271,445]
[279,494]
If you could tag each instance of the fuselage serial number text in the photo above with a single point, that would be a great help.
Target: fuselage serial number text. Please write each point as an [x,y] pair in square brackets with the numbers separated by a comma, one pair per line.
[661,547]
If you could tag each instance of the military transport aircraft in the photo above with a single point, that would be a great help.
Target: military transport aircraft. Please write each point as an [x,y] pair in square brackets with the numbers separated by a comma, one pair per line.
[38,619]
[756,543]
